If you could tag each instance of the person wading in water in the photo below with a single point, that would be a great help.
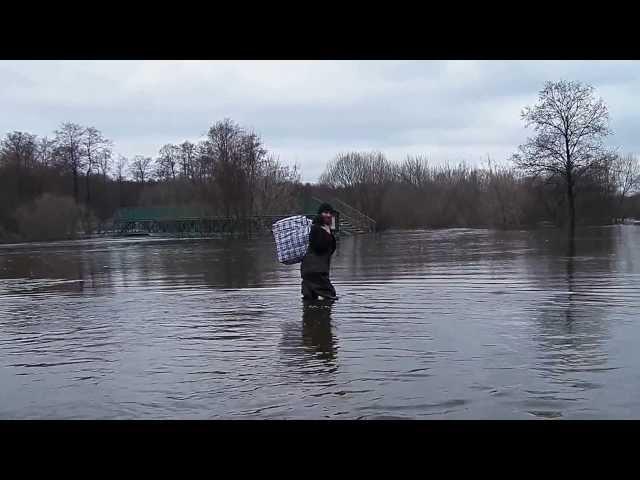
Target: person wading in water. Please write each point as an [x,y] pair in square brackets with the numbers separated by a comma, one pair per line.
[316,263]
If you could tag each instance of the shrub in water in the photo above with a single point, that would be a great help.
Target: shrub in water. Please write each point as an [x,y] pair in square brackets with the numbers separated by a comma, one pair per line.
[50,217]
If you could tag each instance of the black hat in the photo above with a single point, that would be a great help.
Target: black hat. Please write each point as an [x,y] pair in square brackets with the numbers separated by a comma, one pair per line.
[325,207]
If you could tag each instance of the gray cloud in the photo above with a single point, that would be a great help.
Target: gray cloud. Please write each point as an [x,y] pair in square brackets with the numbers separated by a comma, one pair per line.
[309,111]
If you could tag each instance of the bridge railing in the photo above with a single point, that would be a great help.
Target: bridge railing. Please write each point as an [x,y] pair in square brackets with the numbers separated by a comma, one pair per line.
[353,213]
[254,223]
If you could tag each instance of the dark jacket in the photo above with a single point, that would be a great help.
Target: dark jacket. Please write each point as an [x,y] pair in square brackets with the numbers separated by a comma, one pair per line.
[322,245]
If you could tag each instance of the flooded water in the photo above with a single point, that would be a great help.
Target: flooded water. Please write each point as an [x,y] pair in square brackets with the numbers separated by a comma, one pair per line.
[429,324]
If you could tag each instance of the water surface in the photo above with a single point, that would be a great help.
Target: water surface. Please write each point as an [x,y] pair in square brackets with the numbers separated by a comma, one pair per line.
[430,324]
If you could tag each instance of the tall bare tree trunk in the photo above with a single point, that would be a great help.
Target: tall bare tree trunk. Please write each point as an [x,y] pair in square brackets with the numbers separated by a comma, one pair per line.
[572,206]
[88,190]
[75,184]
[570,191]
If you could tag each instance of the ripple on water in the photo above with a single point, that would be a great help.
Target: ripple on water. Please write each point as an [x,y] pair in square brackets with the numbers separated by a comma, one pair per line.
[430,324]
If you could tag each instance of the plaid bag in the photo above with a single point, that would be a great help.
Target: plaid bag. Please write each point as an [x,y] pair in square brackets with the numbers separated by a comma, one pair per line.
[292,238]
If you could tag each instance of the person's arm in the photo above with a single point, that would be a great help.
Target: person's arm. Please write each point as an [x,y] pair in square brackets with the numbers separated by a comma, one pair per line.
[318,241]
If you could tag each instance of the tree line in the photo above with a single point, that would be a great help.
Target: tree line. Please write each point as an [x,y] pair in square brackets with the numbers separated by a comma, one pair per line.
[562,175]
[54,187]
[417,194]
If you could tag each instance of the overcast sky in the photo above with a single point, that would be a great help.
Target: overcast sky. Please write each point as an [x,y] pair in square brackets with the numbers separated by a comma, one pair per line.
[308,111]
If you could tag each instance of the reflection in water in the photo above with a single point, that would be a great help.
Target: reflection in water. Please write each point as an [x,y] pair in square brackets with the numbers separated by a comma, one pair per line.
[317,335]
[308,344]
[236,265]
[572,334]
[430,324]
[570,281]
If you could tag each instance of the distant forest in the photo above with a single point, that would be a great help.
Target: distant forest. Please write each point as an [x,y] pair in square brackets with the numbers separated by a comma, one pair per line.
[69,183]
[59,186]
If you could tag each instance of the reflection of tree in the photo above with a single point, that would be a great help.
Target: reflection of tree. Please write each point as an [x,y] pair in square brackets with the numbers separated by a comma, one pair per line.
[97,270]
[46,269]
[589,242]
[572,325]
[222,263]
[234,265]
[570,277]
[370,257]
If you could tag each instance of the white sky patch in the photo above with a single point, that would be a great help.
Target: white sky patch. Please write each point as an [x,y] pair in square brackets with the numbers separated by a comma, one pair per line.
[308,111]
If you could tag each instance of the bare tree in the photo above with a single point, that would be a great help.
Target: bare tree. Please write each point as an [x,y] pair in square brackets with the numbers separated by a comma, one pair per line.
[224,154]
[414,171]
[141,168]
[121,165]
[502,189]
[571,125]
[19,149]
[93,149]
[45,152]
[105,162]
[187,159]
[276,187]
[253,156]
[625,170]
[168,162]
[69,140]
[364,176]
[204,162]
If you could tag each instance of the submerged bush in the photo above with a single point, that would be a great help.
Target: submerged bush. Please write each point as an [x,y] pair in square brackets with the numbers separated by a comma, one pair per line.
[49,217]
[7,236]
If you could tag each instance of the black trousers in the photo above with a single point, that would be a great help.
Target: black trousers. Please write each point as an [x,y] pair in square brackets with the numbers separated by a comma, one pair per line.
[316,285]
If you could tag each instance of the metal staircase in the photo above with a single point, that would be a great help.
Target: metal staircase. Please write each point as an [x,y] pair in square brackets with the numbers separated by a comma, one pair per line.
[352,221]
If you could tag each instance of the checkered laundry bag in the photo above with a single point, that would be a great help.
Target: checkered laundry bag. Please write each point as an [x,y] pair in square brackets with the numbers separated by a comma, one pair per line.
[292,238]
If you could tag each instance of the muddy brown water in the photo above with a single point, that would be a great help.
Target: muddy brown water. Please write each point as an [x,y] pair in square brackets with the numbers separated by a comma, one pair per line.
[430,324]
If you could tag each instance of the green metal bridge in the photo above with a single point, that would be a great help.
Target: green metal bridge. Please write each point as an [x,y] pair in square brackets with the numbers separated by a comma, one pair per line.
[188,221]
